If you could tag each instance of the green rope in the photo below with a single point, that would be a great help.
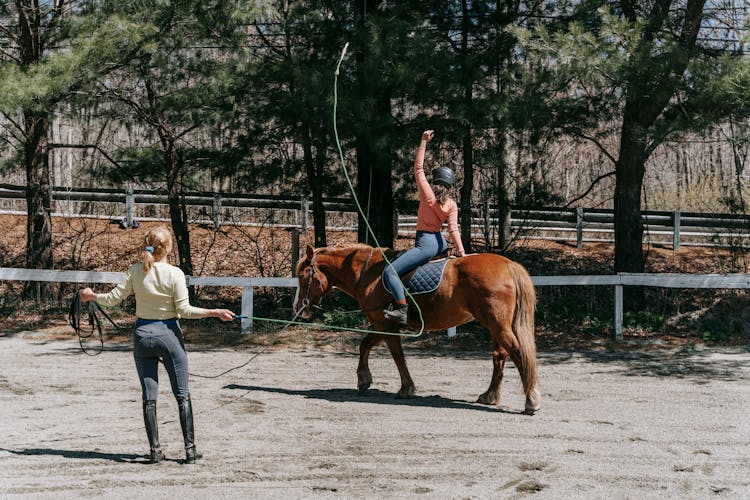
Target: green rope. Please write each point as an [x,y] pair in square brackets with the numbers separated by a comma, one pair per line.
[356,200]
[330,327]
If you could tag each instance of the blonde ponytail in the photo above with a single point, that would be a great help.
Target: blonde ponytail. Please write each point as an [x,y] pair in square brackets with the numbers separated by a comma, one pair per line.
[158,243]
[148,260]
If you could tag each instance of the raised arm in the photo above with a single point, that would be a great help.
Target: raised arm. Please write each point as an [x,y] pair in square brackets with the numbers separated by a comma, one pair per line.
[425,191]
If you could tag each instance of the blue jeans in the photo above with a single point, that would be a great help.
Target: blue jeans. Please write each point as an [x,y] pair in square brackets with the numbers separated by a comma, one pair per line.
[426,246]
[154,340]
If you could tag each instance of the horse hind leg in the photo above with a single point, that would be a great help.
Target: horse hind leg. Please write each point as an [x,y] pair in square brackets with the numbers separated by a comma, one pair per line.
[533,396]
[492,395]
[506,344]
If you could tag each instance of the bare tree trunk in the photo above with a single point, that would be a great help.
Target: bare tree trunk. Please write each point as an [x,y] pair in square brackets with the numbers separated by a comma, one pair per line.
[468,149]
[627,203]
[314,167]
[466,189]
[649,91]
[374,168]
[375,192]
[178,209]
[504,235]
[36,156]
[738,136]
[38,202]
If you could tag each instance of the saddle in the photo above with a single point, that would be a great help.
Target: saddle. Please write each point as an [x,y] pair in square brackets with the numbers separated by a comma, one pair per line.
[424,279]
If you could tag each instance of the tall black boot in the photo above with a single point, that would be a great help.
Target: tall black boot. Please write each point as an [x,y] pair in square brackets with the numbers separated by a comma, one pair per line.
[186,421]
[152,431]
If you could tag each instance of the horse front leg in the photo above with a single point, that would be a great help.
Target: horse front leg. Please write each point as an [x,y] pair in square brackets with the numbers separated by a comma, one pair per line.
[364,377]
[407,384]
[492,395]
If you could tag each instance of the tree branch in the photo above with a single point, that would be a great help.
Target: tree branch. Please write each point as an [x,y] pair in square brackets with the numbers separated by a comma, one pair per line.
[268,43]
[596,143]
[84,146]
[590,188]
[14,123]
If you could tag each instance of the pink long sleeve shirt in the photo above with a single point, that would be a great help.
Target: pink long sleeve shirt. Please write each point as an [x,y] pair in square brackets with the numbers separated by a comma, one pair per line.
[431,214]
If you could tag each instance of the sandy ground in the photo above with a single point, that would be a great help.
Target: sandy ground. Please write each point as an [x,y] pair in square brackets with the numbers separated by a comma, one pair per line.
[664,424]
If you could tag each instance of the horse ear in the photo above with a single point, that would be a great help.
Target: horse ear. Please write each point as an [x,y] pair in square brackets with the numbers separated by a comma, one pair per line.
[310,251]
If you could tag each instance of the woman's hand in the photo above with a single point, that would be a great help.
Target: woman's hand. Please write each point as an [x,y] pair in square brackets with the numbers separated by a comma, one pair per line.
[427,135]
[222,314]
[88,295]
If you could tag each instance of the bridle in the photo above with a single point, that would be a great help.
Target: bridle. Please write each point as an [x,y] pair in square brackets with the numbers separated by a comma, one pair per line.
[314,272]
[306,300]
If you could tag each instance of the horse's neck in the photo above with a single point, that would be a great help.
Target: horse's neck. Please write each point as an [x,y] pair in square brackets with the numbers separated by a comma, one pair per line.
[343,277]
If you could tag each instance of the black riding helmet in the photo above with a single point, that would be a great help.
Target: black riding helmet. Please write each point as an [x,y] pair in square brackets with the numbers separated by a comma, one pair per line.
[443,175]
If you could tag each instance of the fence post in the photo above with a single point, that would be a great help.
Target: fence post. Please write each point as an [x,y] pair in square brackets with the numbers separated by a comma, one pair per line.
[395,225]
[129,207]
[246,323]
[305,204]
[618,312]
[217,211]
[579,227]
[676,235]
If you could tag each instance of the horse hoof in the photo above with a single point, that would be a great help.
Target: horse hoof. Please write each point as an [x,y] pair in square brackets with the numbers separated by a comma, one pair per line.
[532,402]
[485,399]
[362,388]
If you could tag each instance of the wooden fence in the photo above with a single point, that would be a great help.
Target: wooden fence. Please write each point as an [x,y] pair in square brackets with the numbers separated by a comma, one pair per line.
[618,281]
[578,224]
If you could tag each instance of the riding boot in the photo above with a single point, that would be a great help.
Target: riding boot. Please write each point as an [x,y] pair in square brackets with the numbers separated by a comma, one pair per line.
[188,433]
[398,312]
[152,431]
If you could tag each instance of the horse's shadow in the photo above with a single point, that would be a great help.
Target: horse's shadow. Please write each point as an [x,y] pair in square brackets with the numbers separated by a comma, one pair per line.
[83,455]
[375,396]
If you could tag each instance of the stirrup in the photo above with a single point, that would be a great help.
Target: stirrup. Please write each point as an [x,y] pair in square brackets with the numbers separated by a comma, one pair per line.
[399,314]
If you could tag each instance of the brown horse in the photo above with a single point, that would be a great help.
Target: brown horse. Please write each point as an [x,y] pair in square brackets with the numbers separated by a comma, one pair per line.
[490,288]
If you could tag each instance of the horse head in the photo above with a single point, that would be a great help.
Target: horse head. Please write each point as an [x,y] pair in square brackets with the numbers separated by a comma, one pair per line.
[313,284]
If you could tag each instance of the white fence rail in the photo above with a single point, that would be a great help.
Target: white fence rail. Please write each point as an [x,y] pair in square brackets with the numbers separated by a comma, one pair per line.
[618,281]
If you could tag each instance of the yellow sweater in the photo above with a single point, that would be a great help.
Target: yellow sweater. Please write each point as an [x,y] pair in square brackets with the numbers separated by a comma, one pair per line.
[160,294]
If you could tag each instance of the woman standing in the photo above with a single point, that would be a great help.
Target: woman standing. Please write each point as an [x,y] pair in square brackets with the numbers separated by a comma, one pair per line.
[161,297]
[435,207]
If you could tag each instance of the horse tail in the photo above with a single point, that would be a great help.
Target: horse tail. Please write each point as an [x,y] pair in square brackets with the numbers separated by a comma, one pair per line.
[523,324]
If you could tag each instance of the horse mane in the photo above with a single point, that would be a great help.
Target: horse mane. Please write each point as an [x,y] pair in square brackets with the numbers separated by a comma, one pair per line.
[343,247]
[347,248]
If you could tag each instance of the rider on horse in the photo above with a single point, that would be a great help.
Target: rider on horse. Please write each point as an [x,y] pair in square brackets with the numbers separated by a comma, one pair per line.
[435,207]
